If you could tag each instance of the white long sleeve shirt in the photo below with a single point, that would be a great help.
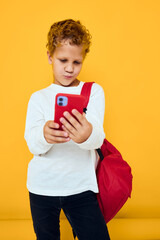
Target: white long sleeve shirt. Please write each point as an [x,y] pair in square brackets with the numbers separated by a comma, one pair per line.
[65,168]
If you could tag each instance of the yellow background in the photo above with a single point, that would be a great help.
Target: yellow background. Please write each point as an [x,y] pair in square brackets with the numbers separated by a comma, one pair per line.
[124,59]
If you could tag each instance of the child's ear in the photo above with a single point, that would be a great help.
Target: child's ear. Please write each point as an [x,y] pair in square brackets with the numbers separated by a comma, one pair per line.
[49,57]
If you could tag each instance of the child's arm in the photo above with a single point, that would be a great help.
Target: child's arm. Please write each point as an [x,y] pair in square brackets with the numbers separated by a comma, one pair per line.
[88,133]
[40,135]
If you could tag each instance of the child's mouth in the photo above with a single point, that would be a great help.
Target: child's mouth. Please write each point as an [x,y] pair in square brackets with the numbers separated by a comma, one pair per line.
[68,77]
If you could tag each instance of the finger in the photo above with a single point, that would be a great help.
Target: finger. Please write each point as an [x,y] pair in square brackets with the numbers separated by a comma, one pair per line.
[84,115]
[52,124]
[69,127]
[58,133]
[58,139]
[70,134]
[79,116]
[74,122]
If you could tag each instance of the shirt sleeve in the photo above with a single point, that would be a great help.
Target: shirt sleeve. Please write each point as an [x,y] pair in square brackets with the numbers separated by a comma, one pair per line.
[95,115]
[35,122]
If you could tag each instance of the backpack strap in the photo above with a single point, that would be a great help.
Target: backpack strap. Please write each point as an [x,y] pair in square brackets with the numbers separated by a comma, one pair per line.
[86,91]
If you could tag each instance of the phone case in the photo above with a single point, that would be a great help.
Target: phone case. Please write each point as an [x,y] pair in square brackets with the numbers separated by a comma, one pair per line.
[67,102]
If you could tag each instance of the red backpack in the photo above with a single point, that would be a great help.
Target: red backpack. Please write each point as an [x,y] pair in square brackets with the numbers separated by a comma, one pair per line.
[114,175]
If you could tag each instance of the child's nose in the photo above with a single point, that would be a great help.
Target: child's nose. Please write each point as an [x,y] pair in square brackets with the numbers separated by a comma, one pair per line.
[69,68]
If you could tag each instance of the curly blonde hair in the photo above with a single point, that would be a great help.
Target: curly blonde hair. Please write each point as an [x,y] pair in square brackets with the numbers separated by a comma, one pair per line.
[68,29]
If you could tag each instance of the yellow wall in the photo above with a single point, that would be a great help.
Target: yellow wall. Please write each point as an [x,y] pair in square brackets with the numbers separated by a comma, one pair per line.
[124,60]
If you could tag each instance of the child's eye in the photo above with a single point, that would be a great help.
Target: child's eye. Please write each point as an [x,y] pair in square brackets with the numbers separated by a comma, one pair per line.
[63,60]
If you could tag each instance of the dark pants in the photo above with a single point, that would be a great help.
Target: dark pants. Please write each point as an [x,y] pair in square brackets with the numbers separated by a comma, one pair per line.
[82,211]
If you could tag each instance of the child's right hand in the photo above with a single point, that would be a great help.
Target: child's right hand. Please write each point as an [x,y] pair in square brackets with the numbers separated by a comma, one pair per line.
[53,135]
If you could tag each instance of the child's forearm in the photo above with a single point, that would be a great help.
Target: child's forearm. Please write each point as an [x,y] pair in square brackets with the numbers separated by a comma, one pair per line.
[36,141]
[34,129]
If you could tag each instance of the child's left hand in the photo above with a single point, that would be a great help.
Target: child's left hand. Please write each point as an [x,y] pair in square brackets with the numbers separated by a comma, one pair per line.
[79,131]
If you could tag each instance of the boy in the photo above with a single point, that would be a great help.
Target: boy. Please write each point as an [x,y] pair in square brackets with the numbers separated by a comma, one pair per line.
[61,174]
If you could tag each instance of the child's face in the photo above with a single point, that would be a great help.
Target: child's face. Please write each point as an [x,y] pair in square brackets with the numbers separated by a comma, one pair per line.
[66,62]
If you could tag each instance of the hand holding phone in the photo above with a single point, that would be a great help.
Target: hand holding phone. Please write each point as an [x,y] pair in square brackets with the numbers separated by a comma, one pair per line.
[53,135]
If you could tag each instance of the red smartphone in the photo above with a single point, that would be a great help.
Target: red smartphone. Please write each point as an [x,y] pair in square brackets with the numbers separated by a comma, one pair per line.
[67,102]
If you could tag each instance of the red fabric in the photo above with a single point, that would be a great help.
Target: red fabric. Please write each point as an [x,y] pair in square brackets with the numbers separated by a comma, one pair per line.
[114,181]
[114,175]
